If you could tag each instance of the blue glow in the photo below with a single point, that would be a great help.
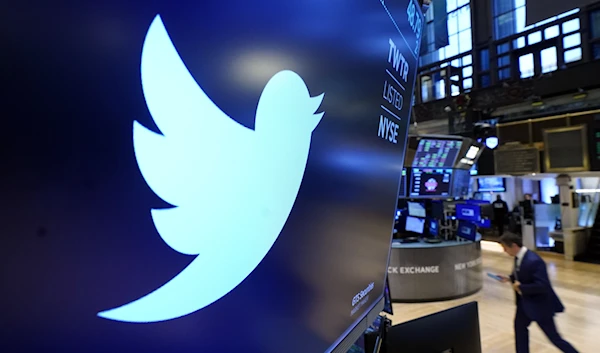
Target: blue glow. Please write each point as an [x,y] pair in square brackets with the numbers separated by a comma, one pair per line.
[203,164]
[491,142]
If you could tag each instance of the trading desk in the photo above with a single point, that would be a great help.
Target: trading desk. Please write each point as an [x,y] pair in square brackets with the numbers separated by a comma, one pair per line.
[423,272]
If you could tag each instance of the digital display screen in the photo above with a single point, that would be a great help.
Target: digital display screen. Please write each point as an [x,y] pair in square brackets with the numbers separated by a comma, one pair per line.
[436,153]
[430,182]
[491,184]
[472,152]
[416,209]
[467,230]
[468,212]
[433,227]
[403,184]
[461,182]
[415,225]
[139,130]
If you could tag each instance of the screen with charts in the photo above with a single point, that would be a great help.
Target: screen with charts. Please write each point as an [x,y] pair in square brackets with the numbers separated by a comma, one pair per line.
[493,184]
[430,182]
[436,153]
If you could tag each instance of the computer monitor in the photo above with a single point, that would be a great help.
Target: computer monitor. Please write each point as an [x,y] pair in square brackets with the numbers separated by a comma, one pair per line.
[468,212]
[415,225]
[455,330]
[437,209]
[436,153]
[430,182]
[434,227]
[491,184]
[387,296]
[467,230]
[417,209]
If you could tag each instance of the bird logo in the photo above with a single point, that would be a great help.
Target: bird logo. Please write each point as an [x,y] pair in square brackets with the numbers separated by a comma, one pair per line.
[208,167]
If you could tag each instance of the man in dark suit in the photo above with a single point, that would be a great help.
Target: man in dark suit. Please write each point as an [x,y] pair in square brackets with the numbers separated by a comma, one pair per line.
[536,300]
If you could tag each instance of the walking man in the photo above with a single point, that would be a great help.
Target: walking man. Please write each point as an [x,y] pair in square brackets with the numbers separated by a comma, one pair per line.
[536,300]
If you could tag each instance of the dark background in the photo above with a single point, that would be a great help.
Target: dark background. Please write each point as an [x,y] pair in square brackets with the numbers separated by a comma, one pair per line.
[76,231]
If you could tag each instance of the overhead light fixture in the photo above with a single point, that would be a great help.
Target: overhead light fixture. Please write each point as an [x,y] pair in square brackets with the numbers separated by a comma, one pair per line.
[492,142]
[587,191]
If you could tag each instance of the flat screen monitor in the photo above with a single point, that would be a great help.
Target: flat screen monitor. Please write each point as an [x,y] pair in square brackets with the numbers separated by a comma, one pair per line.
[417,209]
[472,152]
[461,182]
[430,182]
[467,230]
[491,184]
[136,130]
[434,227]
[415,225]
[387,307]
[468,212]
[436,153]
[402,192]
[437,209]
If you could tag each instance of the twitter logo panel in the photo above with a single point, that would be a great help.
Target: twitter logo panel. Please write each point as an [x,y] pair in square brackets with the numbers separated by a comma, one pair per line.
[199,176]
[191,164]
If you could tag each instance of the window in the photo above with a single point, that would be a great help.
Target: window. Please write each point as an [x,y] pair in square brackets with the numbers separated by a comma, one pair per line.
[484,59]
[459,33]
[572,55]
[549,62]
[526,65]
[595,24]
[509,19]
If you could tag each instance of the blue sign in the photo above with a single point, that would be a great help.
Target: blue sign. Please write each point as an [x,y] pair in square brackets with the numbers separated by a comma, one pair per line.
[198,176]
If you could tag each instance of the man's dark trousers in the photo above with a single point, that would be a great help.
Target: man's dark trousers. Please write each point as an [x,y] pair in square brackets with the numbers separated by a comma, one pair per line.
[547,325]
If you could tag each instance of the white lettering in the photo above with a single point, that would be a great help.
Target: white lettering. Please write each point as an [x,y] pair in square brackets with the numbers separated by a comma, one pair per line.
[388,130]
[398,61]
[392,95]
[362,294]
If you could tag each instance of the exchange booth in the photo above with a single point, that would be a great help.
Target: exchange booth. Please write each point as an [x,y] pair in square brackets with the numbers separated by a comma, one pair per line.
[436,251]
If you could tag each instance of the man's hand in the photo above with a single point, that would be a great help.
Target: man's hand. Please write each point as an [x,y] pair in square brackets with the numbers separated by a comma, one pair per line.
[517,287]
[504,279]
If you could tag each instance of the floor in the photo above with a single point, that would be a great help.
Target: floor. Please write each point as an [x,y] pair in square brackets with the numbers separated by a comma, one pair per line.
[577,284]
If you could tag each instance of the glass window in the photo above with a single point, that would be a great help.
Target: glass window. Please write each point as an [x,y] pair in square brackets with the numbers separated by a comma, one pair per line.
[549,61]
[502,6]
[455,90]
[596,51]
[595,24]
[452,23]
[468,83]
[468,71]
[510,17]
[572,55]
[456,63]
[504,61]
[551,32]
[572,40]
[450,5]
[460,3]
[440,89]
[503,48]
[534,37]
[504,74]
[484,59]
[526,65]
[464,18]
[485,80]
[465,41]
[467,60]
[452,48]
[426,88]
[519,43]
[504,25]
[570,26]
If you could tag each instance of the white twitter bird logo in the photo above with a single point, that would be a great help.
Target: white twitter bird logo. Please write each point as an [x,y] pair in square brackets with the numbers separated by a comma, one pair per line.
[232,188]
